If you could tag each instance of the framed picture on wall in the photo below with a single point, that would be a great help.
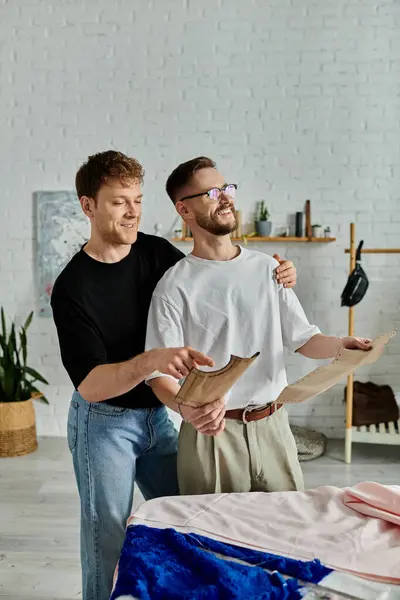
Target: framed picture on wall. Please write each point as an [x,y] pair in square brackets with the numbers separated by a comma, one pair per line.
[61,230]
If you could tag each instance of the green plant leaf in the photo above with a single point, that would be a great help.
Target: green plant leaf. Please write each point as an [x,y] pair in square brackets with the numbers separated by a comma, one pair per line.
[41,399]
[15,347]
[2,342]
[3,323]
[12,341]
[31,390]
[16,378]
[19,383]
[28,321]
[2,381]
[9,382]
[23,342]
[37,376]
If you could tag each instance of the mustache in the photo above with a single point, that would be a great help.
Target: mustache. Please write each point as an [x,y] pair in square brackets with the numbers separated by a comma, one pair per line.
[230,207]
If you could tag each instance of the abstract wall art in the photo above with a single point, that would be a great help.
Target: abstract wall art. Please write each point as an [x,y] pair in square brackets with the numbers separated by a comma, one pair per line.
[61,230]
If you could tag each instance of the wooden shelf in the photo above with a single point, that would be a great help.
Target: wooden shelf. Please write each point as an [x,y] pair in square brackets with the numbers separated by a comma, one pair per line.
[377,251]
[319,240]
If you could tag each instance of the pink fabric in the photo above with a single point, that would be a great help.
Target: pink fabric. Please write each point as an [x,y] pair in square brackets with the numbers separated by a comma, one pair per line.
[375,500]
[354,530]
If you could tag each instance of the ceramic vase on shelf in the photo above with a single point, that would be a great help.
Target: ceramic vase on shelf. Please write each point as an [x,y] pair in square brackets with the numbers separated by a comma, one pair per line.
[317,231]
[263,228]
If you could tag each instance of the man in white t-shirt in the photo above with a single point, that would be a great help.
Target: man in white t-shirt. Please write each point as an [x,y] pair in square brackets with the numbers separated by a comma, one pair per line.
[223,299]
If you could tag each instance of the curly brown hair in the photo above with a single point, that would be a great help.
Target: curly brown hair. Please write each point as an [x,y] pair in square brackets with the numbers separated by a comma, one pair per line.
[183,174]
[102,166]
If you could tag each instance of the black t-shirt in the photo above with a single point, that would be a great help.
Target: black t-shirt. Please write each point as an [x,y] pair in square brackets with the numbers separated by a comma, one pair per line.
[100,310]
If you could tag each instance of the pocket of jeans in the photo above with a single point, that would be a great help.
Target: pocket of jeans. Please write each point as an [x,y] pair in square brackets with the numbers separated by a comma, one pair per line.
[72,427]
[102,408]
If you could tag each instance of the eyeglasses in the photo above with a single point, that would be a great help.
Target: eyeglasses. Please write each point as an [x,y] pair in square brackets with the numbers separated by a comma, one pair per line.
[229,189]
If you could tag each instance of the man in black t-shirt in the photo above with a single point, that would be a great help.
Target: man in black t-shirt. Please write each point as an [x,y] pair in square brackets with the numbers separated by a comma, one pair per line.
[118,432]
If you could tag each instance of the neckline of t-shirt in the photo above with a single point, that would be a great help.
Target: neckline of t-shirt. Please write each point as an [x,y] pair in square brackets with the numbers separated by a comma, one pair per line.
[107,265]
[196,260]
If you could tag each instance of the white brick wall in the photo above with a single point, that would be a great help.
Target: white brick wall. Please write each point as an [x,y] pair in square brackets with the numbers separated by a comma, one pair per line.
[294,100]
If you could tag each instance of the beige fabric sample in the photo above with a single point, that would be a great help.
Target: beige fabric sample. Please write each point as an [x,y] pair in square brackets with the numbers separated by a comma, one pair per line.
[203,387]
[325,377]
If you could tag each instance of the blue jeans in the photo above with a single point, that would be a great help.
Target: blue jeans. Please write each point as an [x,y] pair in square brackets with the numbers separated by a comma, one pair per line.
[112,448]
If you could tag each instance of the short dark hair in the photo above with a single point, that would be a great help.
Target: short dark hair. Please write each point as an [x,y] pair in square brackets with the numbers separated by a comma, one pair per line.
[184,172]
[102,166]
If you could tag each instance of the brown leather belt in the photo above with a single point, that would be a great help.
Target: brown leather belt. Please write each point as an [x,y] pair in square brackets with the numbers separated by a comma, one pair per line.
[252,414]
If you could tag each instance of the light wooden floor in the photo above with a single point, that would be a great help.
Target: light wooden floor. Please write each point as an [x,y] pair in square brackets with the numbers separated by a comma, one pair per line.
[39,518]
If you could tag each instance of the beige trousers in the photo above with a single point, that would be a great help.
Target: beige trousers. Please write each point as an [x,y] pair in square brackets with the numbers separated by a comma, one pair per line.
[258,456]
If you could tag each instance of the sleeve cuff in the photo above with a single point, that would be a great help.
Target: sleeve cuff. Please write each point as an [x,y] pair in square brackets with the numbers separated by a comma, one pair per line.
[157,374]
[306,337]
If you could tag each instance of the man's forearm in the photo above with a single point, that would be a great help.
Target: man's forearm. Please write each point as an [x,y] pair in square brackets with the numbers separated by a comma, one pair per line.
[321,346]
[108,381]
[166,390]
[207,419]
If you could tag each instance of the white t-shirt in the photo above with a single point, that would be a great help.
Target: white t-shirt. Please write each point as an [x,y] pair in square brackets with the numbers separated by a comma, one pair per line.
[231,307]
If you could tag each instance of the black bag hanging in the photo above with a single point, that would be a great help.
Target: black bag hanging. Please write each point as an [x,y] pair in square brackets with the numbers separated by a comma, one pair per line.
[357,283]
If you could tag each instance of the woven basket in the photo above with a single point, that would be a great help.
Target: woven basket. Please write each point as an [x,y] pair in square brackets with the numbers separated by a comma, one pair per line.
[17,428]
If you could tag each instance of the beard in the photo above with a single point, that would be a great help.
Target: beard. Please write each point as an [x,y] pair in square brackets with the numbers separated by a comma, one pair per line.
[212,225]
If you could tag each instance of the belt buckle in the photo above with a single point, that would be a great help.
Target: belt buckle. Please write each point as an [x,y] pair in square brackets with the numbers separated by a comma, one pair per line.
[250,408]
[245,411]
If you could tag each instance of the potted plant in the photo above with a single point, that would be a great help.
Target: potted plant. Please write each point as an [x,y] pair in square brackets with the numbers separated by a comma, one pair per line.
[17,390]
[263,226]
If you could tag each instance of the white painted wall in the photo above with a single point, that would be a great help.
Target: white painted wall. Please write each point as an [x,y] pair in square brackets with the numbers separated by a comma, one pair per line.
[294,100]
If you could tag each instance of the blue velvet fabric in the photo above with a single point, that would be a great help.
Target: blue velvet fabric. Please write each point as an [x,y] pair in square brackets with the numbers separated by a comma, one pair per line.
[163,564]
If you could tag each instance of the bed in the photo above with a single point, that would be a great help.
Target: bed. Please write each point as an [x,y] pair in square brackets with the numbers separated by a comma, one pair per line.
[331,543]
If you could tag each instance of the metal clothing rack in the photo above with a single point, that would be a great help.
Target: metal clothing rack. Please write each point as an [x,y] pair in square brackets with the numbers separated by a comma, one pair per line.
[382,433]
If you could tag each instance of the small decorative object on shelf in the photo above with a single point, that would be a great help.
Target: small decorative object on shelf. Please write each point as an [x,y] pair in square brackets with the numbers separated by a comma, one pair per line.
[237,233]
[185,231]
[317,231]
[299,224]
[262,225]
[157,229]
[308,219]
[327,232]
